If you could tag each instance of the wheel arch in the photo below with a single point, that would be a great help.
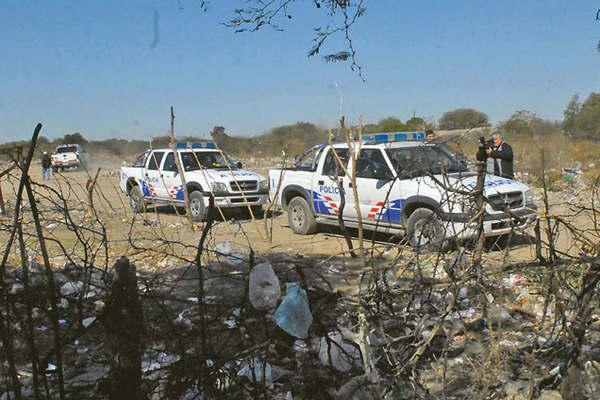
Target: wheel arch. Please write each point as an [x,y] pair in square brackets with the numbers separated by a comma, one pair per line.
[415,202]
[292,191]
[194,186]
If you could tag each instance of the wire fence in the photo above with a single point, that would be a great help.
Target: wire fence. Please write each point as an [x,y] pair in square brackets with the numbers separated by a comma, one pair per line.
[201,319]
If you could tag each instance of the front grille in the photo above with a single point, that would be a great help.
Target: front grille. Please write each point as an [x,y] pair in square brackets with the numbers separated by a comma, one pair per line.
[245,186]
[513,200]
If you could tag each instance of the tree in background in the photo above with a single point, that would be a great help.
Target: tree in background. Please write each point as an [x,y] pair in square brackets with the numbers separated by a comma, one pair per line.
[587,120]
[389,124]
[570,114]
[417,124]
[74,138]
[463,118]
[525,123]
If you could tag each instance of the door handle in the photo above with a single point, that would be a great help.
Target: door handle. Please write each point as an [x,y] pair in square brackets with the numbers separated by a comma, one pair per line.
[321,182]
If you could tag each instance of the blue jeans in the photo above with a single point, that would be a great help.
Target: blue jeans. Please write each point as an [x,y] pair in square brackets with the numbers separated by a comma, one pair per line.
[46,174]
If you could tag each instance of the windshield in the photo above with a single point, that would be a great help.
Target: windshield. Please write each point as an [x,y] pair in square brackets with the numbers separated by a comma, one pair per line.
[66,149]
[410,162]
[207,159]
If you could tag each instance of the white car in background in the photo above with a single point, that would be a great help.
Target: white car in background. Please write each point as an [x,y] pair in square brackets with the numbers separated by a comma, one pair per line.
[68,156]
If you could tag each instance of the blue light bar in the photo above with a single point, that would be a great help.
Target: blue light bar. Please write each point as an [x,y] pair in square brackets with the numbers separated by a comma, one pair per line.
[209,144]
[394,137]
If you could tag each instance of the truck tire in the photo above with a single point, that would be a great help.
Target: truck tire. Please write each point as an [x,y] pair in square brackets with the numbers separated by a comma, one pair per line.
[197,207]
[300,217]
[136,199]
[424,230]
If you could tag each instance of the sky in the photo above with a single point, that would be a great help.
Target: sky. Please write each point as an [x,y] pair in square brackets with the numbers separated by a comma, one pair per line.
[102,69]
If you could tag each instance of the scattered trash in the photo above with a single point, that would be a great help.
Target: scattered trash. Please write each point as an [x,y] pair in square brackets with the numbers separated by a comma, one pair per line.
[88,321]
[293,314]
[50,369]
[183,320]
[16,288]
[264,290]
[338,353]
[162,360]
[545,342]
[71,288]
[336,268]
[515,280]
[64,303]
[256,369]
[98,306]
[232,257]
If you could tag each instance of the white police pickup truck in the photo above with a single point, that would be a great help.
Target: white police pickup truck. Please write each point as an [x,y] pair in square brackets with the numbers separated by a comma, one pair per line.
[68,156]
[404,185]
[154,179]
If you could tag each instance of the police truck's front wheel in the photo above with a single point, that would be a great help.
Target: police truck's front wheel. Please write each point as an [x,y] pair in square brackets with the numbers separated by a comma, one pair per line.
[300,217]
[197,208]
[424,230]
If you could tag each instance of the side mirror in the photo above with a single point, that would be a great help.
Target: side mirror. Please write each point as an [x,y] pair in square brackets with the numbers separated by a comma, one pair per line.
[239,164]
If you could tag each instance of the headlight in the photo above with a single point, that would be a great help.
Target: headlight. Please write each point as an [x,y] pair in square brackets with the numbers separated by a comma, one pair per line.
[263,185]
[218,187]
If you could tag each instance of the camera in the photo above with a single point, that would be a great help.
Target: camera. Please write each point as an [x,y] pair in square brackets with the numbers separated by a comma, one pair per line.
[486,144]
[483,146]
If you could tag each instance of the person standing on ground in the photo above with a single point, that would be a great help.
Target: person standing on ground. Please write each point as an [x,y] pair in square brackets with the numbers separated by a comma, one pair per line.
[46,167]
[502,155]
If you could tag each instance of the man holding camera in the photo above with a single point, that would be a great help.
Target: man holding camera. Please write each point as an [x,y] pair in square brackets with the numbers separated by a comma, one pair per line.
[500,155]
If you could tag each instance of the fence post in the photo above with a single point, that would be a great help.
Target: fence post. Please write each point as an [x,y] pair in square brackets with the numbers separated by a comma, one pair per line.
[124,324]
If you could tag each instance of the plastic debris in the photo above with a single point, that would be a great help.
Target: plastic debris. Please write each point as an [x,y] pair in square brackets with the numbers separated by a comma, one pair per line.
[50,369]
[88,321]
[293,314]
[544,342]
[232,257]
[257,369]
[162,360]
[98,305]
[16,288]
[71,288]
[337,353]
[264,289]
[183,320]
[515,280]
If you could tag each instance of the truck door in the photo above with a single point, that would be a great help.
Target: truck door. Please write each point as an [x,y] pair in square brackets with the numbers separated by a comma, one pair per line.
[173,189]
[326,193]
[377,190]
[152,180]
